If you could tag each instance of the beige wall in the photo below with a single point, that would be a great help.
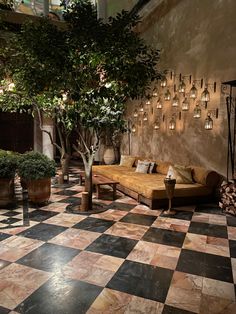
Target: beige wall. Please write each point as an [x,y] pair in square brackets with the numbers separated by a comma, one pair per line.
[196,37]
[115,6]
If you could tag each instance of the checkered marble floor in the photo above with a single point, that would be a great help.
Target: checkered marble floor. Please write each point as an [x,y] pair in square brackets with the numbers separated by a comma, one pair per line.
[127,259]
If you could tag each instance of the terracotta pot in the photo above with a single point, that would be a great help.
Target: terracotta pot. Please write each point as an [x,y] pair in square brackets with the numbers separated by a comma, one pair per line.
[39,191]
[7,195]
[109,156]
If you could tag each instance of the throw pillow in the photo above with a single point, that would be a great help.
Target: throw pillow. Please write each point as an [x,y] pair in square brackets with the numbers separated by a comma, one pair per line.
[183,175]
[152,167]
[127,161]
[142,166]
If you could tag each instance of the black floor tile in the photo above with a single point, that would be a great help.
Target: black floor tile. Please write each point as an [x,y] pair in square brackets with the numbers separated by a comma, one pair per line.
[3,310]
[231,221]
[185,215]
[69,200]
[166,237]
[142,280]
[206,265]
[209,209]
[41,215]
[10,220]
[42,231]
[112,245]
[11,213]
[60,296]
[232,248]
[208,229]
[139,219]
[94,224]
[4,236]
[173,310]
[49,257]
[2,265]
[121,206]
[66,192]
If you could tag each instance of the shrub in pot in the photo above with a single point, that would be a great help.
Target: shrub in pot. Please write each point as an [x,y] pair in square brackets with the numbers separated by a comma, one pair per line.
[8,165]
[35,171]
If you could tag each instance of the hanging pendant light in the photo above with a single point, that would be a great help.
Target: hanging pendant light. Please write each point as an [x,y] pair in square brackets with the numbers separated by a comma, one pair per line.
[193,92]
[208,122]
[197,112]
[141,109]
[135,113]
[175,101]
[182,87]
[133,129]
[163,81]
[148,102]
[157,125]
[185,104]
[167,95]
[172,124]
[159,104]
[154,92]
[145,117]
[205,95]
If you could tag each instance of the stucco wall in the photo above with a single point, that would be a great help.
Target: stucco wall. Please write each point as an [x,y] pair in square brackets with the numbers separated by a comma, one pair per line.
[115,6]
[196,37]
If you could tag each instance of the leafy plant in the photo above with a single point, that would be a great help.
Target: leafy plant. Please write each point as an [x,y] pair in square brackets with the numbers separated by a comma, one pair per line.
[8,164]
[33,166]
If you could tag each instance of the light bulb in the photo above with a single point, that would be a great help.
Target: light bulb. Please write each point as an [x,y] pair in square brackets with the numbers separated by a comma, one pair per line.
[185,104]
[197,112]
[208,122]
[205,95]
[167,95]
[175,101]
[163,82]
[182,87]
[193,92]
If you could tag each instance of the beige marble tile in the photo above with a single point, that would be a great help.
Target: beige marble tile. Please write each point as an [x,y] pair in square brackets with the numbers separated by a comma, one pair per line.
[218,246]
[92,267]
[200,217]
[16,230]
[195,242]
[111,301]
[15,247]
[218,288]
[127,230]
[18,282]
[231,233]
[65,220]
[56,207]
[143,252]
[111,214]
[210,218]
[216,305]
[233,263]
[145,210]
[75,238]
[171,224]
[128,200]
[185,292]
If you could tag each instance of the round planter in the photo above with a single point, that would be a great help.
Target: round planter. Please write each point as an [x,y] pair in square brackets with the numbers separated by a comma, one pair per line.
[109,156]
[7,195]
[39,191]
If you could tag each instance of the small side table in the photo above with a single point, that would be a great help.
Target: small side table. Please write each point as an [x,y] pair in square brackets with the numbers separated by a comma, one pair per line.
[170,189]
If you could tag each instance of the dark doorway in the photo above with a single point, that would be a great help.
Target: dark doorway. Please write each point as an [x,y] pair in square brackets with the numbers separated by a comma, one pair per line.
[16,132]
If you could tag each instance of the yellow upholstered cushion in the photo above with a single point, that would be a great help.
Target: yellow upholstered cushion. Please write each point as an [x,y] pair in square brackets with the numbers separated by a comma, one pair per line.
[127,161]
[205,177]
[163,167]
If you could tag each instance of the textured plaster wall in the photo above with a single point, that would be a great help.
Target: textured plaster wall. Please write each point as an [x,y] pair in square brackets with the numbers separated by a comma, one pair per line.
[115,6]
[199,38]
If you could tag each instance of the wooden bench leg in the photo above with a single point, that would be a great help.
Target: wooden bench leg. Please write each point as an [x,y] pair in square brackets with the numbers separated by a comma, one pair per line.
[114,191]
[97,190]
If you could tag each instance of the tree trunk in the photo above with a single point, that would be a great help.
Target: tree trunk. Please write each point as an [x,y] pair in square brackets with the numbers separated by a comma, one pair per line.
[65,160]
[88,181]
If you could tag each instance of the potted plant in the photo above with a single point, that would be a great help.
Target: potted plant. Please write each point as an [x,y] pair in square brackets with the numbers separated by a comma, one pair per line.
[8,165]
[35,171]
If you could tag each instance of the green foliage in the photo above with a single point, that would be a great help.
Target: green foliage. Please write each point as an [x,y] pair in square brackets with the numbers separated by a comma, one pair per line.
[8,164]
[33,166]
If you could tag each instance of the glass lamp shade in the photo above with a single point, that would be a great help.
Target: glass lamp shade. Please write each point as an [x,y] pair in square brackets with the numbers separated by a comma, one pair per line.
[163,82]
[157,125]
[135,113]
[175,101]
[182,87]
[172,124]
[148,102]
[141,109]
[197,112]
[193,92]
[208,123]
[159,104]
[1,91]
[205,95]
[185,104]
[167,95]
[133,129]
[155,93]
[145,116]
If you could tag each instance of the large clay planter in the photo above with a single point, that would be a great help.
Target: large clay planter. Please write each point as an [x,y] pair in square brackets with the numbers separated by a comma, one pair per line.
[109,156]
[7,192]
[39,191]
